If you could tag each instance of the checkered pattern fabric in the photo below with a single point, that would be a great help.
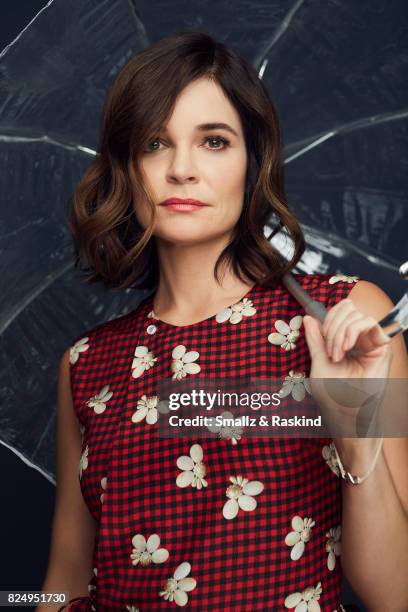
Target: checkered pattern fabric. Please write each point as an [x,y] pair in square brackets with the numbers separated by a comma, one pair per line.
[212,523]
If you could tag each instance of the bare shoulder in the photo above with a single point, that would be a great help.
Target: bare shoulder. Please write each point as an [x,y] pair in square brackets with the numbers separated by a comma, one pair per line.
[65,402]
[373,301]
[370,298]
[64,366]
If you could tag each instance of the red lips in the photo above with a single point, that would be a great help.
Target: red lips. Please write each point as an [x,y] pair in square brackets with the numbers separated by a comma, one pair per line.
[171,201]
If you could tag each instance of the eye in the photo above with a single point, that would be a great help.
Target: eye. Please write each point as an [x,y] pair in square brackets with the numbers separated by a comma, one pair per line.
[214,139]
[224,141]
[147,150]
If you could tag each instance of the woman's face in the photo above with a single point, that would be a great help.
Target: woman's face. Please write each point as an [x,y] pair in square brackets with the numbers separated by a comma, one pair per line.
[189,161]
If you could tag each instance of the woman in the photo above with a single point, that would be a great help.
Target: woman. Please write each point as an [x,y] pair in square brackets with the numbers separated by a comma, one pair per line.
[230,522]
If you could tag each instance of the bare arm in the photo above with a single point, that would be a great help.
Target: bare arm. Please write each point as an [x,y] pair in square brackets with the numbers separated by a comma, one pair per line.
[73,529]
[375,513]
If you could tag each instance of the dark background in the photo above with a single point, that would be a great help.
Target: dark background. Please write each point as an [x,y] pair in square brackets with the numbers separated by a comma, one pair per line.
[26,497]
[337,74]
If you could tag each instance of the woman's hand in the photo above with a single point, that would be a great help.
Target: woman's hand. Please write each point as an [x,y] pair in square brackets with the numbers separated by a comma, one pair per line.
[344,328]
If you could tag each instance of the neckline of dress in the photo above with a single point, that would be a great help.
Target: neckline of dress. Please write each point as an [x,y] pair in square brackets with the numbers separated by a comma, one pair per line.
[152,317]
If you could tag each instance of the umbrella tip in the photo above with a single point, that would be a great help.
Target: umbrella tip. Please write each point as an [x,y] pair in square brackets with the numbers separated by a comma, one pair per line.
[403,270]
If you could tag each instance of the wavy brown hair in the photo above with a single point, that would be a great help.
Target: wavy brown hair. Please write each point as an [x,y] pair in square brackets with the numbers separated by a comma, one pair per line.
[110,244]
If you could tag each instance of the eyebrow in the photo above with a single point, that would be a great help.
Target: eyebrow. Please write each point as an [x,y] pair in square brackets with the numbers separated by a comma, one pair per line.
[203,127]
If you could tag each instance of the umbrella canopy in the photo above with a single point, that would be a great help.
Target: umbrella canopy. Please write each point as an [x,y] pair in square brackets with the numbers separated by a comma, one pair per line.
[336,74]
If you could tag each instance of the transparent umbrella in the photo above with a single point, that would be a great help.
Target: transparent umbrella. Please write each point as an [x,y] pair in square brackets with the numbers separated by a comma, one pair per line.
[336,73]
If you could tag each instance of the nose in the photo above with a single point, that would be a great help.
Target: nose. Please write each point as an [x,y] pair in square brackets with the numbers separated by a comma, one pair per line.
[181,168]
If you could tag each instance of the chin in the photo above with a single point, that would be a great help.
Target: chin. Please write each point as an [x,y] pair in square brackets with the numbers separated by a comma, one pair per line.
[186,236]
[181,238]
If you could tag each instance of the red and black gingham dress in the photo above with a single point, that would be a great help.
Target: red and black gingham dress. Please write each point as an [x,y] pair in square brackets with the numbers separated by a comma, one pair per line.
[223,523]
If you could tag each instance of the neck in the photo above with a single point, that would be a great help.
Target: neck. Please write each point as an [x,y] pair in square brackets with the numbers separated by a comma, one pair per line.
[187,288]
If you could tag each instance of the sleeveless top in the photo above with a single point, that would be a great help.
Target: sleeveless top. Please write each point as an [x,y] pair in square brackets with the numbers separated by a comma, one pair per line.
[224,523]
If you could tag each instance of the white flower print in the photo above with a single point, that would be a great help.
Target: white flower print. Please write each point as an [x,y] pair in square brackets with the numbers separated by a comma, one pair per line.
[333,546]
[83,462]
[343,277]
[182,363]
[287,333]
[147,407]
[240,496]
[306,601]
[132,609]
[147,552]
[80,346]
[179,585]
[103,485]
[296,384]
[329,455]
[81,429]
[302,530]
[193,468]
[227,432]
[234,313]
[143,360]
[98,402]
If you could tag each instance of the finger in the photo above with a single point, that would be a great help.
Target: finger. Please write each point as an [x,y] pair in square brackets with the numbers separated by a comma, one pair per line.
[342,335]
[337,317]
[313,335]
[350,337]
[357,333]
[332,312]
